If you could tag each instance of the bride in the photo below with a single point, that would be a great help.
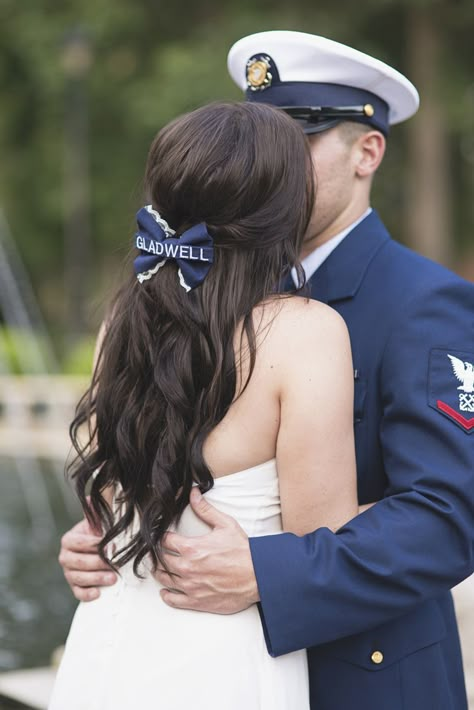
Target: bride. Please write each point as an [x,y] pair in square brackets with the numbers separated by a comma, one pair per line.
[207,377]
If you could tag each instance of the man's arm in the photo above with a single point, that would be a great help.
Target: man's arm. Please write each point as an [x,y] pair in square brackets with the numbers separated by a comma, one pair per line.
[418,541]
[413,545]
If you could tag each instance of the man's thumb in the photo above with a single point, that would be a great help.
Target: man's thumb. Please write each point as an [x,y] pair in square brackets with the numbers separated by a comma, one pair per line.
[206,511]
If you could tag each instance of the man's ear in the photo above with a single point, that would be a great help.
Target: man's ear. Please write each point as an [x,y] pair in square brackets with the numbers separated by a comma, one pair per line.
[368,151]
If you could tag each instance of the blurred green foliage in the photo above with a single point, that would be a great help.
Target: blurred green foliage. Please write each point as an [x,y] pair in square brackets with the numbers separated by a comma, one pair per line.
[151,60]
[9,352]
[19,351]
[79,359]
[19,347]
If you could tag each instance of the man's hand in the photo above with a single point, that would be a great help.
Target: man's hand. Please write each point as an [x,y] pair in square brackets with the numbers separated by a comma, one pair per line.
[213,572]
[82,566]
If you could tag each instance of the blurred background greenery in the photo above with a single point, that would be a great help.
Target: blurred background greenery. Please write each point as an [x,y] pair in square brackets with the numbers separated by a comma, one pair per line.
[85,86]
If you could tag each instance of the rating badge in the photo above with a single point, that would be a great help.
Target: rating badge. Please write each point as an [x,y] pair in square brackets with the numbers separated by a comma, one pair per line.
[466,402]
[451,386]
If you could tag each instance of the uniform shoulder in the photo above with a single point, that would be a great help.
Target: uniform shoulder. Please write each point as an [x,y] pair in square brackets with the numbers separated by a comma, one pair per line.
[404,280]
[418,270]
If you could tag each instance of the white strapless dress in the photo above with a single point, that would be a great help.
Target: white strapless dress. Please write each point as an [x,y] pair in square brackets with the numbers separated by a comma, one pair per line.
[127,650]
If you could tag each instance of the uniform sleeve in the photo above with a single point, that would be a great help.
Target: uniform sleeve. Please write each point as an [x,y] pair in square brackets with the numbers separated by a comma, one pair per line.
[418,541]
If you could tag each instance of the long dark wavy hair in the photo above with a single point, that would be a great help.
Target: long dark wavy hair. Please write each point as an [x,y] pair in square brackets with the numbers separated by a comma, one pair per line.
[167,372]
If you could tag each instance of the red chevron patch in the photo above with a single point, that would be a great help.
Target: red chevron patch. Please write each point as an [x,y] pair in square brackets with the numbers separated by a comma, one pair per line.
[467,424]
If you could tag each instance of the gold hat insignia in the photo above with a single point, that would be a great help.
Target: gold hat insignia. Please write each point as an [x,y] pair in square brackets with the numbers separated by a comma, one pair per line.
[258,73]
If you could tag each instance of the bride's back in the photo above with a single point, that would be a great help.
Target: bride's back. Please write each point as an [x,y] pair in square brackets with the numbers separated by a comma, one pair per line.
[247,436]
[230,193]
[206,377]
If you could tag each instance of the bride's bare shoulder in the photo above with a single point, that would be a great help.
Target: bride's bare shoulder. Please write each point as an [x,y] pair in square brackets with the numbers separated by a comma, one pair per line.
[296,321]
[299,331]
[307,348]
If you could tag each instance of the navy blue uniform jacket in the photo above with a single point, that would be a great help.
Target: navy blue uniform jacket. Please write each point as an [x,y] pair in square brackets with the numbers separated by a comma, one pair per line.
[372,602]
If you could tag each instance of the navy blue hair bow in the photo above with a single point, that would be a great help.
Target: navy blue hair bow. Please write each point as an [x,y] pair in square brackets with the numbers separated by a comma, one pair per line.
[193,251]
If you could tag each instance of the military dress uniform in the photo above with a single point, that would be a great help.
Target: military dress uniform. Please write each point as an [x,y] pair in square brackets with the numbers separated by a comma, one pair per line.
[371,603]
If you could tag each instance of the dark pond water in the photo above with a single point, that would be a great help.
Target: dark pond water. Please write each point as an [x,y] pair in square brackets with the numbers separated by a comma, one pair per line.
[36,607]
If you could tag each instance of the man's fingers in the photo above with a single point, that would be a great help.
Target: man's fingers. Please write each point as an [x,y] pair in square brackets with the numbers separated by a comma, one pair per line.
[168,580]
[170,573]
[91,528]
[179,544]
[204,510]
[83,568]
[82,562]
[84,527]
[175,599]
[172,542]
[80,542]
[89,579]
[172,562]
[85,594]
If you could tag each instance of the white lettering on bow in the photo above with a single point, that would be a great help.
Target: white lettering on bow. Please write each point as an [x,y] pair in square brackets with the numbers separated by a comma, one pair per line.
[140,242]
[171,249]
[203,258]
[184,253]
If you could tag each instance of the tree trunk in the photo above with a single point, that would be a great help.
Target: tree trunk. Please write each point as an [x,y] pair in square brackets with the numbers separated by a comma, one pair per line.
[428,216]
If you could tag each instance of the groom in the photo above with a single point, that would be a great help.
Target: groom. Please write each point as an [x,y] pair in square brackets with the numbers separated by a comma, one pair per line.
[371,602]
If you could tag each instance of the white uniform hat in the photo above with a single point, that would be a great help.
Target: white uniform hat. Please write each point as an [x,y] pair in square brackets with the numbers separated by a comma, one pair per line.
[320,82]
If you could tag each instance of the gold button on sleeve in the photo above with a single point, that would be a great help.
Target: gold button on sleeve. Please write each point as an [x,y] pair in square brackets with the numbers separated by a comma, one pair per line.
[377,657]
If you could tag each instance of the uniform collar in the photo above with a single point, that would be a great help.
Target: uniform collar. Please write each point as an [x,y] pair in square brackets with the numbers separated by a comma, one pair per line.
[313,261]
[341,274]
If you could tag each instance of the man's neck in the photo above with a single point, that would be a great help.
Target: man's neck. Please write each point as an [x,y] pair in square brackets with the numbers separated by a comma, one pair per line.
[336,227]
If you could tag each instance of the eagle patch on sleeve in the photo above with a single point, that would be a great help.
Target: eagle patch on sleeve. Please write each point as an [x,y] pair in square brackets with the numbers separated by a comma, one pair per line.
[451,386]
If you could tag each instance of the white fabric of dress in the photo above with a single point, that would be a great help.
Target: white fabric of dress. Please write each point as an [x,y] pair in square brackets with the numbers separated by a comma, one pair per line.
[129,650]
